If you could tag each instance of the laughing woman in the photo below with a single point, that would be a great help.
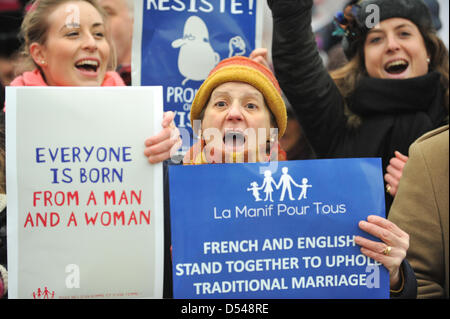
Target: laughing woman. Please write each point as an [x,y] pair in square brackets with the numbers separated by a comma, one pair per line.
[66,44]
[392,91]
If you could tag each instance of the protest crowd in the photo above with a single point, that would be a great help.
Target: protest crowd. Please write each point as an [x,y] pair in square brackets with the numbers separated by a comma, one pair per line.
[382,91]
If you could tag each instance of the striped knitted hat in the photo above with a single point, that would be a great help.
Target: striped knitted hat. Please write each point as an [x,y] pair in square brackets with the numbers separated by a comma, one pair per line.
[242,69]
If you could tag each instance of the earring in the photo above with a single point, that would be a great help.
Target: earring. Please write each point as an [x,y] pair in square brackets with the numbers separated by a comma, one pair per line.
[428,60]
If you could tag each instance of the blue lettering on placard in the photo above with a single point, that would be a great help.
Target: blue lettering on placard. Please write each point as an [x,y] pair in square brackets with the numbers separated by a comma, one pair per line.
[85,154]
[67,155]
[65,173]
[39,155]
[103,175]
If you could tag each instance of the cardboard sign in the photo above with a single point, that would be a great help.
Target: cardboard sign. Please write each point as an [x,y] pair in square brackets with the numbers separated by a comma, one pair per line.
[85,208]
[177,43]
[285,231]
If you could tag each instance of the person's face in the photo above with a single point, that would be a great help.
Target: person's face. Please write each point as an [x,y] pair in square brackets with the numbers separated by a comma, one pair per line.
[76,51]
[395,49]
[236,121]
[6,71]
[120,23]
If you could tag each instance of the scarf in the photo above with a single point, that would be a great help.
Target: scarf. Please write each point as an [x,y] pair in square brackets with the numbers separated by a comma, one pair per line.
[388,96]
[404,109]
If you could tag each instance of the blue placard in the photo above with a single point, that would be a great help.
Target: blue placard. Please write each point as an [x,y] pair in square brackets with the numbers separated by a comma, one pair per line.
[182,41]
[286,231]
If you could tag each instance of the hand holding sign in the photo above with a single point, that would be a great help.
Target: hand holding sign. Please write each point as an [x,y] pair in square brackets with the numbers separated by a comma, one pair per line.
[391,251]
[160,146]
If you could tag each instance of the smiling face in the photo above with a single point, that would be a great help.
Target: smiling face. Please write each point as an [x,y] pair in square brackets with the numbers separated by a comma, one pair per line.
[395,49]
[76,51]
[236,120]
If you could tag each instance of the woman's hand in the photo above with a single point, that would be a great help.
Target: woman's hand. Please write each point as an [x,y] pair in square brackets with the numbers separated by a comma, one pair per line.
[161,146]
[394,172]
[260,55]
[390,251]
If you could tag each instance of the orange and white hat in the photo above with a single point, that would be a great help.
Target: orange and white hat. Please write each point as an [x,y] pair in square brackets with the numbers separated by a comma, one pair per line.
[243,69]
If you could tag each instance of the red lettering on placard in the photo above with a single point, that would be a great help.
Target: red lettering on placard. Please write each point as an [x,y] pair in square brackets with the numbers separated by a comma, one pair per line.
[118,218]
[42,219]
[92,198]
[125,199]
[57,198]
[72,219]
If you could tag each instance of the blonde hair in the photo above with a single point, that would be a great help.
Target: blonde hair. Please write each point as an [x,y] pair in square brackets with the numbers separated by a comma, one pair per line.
[35,28]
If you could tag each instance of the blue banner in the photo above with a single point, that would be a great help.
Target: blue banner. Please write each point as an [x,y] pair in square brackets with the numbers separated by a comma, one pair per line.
[182,41]
[252,231]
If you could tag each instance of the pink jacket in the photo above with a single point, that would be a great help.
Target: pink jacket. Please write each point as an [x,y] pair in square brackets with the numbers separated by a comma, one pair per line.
[34,78]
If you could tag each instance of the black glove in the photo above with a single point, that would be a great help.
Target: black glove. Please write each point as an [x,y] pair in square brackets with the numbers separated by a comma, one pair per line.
[285,8]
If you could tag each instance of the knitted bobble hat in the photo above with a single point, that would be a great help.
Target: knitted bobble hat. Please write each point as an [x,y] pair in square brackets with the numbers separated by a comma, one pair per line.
[353,22]
[243,69]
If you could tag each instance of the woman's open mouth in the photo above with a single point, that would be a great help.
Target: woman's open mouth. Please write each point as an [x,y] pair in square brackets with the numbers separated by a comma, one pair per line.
[234,141]
[396,67]
[88,67]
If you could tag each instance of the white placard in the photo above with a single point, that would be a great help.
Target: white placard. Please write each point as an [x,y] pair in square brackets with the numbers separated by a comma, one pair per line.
[85,208]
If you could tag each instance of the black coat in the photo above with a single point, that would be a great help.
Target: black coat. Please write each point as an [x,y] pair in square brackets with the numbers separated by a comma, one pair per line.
[393,113]
[3,243]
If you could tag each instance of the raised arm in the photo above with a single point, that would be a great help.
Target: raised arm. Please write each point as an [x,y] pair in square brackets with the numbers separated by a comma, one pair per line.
[302,75]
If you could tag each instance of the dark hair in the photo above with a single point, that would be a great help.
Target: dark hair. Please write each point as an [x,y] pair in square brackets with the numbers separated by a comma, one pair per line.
[348,76]
[355,21]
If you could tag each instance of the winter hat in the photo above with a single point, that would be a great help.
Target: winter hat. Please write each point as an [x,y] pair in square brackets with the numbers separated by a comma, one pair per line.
[351,23]
[243,69]
[434,7]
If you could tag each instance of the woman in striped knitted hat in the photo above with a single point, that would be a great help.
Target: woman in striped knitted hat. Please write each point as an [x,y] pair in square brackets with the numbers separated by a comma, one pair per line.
[238,114]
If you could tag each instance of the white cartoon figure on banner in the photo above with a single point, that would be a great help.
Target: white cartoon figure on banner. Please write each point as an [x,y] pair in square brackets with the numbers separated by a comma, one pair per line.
[196,57]
[267,185]
[236,46]
[286,181]
[304,188]
[255,191]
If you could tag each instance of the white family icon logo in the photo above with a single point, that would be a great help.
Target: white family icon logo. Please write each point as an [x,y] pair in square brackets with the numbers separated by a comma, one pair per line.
[285,183]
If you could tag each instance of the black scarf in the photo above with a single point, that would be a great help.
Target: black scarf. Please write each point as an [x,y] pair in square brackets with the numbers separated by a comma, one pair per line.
[400,111]
[420,94]
[408,108]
